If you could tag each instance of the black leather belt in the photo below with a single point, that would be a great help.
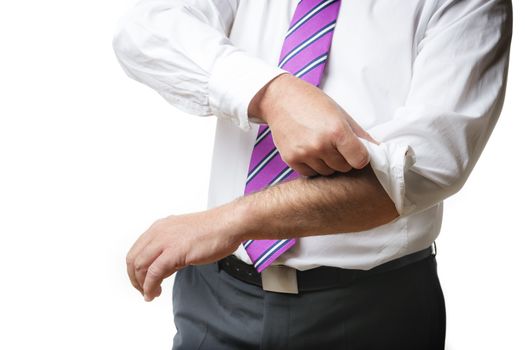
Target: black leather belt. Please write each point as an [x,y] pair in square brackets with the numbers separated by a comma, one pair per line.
[322,277]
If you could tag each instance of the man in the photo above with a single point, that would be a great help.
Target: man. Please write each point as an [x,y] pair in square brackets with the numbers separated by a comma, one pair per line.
[331,162]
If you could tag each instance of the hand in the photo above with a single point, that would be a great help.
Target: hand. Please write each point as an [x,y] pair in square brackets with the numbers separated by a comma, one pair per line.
[178,241]
[313,134]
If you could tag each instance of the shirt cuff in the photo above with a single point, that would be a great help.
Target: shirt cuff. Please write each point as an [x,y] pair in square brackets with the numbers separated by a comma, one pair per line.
[234,80]
[390,162]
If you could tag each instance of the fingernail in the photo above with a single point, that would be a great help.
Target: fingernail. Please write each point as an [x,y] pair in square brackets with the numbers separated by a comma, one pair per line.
[147,298]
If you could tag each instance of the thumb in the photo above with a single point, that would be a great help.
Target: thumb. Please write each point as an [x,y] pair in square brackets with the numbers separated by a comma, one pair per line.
[360,132]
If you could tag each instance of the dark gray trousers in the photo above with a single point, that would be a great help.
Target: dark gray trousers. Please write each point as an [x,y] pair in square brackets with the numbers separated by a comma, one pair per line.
[401,309]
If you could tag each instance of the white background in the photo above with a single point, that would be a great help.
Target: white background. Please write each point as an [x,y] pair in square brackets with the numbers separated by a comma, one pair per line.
[89,159]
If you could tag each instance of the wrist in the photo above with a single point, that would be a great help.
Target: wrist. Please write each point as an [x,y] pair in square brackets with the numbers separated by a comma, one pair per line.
[263,103]
[245,218]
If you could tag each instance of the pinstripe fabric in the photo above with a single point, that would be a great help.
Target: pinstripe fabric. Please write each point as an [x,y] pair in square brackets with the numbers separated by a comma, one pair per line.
[304,54]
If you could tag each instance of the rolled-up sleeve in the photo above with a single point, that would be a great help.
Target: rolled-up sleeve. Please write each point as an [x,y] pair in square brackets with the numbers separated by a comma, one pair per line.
[431,144]
[181,49]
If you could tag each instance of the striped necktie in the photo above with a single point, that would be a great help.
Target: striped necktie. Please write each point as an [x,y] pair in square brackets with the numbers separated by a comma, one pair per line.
[304,54]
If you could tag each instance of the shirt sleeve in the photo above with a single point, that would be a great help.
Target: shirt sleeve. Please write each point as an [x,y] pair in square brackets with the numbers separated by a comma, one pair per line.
[433,141]
[181,49]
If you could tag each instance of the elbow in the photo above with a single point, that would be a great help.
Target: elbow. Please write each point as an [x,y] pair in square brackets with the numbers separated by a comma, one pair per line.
[130,37]
[423,192]
[455,178]
[121,42]
[118,45]
[129,46]
[126,53]
[455,186]
[448,190]
[118,41]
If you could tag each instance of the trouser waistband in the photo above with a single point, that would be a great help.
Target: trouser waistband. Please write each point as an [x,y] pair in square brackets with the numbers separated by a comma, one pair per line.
[322,277]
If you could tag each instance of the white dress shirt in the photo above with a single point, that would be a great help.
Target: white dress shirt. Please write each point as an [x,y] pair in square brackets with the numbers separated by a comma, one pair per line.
[426,78]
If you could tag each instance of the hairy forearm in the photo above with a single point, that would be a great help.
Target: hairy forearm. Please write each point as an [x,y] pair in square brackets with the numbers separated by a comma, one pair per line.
[343,202]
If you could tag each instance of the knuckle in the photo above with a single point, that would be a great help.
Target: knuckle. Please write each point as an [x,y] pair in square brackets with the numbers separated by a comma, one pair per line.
[337,133]
[288,159]
[319,144]
[294,157]
[138,265]
[301,153]
[157,224]
[155,271]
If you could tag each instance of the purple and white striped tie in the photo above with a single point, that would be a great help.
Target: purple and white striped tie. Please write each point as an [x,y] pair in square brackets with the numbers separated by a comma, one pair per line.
[304,54]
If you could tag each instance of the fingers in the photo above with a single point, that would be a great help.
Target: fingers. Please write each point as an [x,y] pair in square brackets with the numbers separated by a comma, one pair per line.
[320,167]
[142,241]
[348,153]
[144,260]
[340,151]
[161,268]
[337,162]
[132,278]
[331,163]
[353,150]
[302,168]
[131,263]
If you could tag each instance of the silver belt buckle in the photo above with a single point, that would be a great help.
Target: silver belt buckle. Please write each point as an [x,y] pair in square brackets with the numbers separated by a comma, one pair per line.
[280,279]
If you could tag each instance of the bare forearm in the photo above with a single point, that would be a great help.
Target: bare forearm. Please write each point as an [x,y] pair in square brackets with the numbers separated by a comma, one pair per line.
[343,202]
